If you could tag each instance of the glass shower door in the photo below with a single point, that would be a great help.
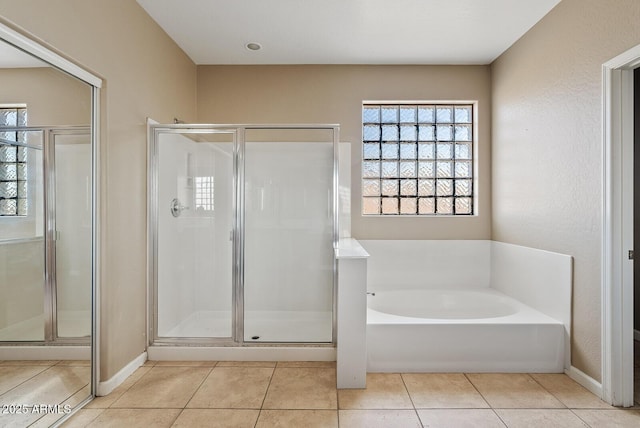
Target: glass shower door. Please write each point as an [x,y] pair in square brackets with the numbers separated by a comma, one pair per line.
[288,235]
[193,256]
[72,172]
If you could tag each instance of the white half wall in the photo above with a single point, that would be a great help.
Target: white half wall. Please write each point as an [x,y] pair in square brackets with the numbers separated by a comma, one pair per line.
[407,264]
[537,278]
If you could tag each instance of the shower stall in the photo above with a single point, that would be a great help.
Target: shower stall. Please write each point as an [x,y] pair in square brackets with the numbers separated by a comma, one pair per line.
[242,227]
[45,235]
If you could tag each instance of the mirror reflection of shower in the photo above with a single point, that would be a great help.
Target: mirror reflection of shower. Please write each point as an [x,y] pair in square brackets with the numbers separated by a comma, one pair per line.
[45,205]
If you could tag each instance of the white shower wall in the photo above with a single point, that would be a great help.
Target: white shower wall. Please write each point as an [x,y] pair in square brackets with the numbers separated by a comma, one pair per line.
[288,267]
[194,250]
[73,241]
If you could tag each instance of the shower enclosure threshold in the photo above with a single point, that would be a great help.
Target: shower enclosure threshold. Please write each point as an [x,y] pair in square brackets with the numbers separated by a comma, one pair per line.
[241,353]
[259,326]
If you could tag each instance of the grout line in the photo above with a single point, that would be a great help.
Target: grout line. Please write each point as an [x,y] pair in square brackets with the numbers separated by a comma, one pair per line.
[101,411]
[199,386]
[477,390]
[273,372]
[485,399]
[26,380]
[581,420]
[177,416]
[549,392]
[411,399]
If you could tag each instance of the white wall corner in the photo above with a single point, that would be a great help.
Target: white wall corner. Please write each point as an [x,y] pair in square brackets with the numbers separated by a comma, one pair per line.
[104,388]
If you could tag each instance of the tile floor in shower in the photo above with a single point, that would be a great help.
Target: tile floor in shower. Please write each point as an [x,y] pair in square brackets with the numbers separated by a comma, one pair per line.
[298,394]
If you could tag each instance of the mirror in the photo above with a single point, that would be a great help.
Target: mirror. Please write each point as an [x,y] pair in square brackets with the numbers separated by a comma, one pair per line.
[46,248]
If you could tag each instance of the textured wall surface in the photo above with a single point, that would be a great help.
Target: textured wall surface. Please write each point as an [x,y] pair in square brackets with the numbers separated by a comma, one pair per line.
[145,75]
[547,144]
[334,94]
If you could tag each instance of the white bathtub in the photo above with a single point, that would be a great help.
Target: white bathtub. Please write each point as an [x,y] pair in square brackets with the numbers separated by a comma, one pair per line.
[460,330]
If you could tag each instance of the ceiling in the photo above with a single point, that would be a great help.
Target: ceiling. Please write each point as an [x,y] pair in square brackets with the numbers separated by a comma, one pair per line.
[346,31]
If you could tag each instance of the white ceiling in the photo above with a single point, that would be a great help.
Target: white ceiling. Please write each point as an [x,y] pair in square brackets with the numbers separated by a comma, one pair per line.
[346,31]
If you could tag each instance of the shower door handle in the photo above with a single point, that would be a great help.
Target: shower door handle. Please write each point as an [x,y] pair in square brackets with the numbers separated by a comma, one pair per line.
[177,208]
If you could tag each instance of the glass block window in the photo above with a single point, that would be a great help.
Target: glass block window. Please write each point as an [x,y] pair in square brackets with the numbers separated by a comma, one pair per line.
[417,159]
[13,163]
[204,193]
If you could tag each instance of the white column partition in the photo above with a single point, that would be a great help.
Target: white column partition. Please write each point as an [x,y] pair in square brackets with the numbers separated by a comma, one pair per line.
[351,357]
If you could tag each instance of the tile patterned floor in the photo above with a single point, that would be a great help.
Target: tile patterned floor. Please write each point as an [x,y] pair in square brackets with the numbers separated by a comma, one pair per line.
[41,382]
[228,394]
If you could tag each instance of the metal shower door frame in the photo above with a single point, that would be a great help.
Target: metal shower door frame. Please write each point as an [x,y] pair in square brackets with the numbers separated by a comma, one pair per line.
[238,212]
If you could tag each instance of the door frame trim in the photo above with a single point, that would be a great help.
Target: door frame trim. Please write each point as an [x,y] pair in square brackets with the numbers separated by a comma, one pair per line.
[617,228]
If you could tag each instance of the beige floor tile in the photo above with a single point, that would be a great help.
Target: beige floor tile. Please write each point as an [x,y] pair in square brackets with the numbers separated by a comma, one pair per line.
[379,419]
[79,396]
[616,418]
[80,363]
[17,420]
[185,363]
[49,419]
[569,392]
[83,418]
[384,391]
[460,418]
[30,363]
[322,364]
[442,390]
[135,418]
[52,386]
[270,364]
[73,401]
[12,376]
[233,388]
[217,418]
[149,363]
[46,421]
[298,418]
[302,388]
[513,390]
[163,387]
[107,400]
[540,418]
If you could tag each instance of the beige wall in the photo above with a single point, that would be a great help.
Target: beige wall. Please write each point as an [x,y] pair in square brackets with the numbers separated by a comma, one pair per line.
[334,94]
[52,97]
[547,146]
[145,74]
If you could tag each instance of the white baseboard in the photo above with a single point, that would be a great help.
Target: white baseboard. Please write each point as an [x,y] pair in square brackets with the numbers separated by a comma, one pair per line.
[636,335]
[585,380]
[104,388]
